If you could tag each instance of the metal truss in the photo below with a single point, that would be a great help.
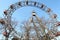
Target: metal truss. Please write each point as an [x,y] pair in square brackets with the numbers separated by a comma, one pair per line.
[12,8]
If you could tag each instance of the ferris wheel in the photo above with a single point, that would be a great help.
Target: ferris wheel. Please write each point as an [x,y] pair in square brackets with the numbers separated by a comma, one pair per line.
[7,20]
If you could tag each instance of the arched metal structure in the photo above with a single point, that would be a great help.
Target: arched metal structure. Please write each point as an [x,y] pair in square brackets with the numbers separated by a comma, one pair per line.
[9,12]
[20,4]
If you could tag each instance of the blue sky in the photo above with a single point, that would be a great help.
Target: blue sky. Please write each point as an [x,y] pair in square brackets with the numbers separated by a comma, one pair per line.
[25,12]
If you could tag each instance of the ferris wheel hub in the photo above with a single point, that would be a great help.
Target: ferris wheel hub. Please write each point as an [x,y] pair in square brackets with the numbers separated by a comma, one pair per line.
[33,13]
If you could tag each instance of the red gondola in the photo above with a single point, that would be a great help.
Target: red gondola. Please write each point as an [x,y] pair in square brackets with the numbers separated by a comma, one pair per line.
[5,12]
[48,10]
[19,3]
[57,34]
[11,6]
[5,33]
[42,6]
[2,21]
[54,15]
[58,24]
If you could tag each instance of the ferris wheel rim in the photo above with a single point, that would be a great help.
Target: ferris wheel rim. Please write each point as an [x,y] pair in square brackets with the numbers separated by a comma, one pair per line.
[20,4]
